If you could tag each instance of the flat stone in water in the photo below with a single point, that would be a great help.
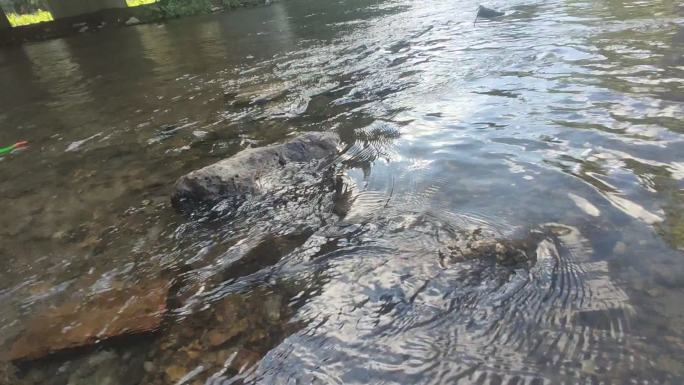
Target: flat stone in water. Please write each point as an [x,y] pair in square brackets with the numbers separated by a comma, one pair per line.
[74,325]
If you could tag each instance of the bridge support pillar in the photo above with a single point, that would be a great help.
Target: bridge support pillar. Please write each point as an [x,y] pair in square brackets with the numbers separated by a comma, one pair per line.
[4,22]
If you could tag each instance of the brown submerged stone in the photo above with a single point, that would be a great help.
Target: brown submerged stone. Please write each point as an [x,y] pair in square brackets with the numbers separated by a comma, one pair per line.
[73,325]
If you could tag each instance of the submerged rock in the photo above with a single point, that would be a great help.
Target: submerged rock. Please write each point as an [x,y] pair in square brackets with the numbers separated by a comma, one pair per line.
[7,374]
[257,95]
[74,325]
[106,368]
[225,339]
[251,171]
[477,245]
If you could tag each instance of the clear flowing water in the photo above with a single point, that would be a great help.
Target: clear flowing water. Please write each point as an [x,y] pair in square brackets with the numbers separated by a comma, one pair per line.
[564,121]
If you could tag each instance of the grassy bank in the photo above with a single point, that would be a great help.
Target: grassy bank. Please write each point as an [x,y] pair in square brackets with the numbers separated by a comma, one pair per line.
[136,3]
[17,20]
[41,26]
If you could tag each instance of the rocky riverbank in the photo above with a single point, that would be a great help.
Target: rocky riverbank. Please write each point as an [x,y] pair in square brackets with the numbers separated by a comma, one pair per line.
[160,331]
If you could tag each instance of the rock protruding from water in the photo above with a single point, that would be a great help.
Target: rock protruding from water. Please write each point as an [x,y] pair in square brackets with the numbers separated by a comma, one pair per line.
[251,171]
[74,325]
[133,21]
[488,13]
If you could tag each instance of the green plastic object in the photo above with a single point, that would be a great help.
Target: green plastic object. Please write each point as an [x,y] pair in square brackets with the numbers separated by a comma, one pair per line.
[9,149]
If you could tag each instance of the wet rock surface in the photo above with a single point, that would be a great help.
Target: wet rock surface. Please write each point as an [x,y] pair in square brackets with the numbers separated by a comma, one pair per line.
[488,13]
[72,325]
[252,171]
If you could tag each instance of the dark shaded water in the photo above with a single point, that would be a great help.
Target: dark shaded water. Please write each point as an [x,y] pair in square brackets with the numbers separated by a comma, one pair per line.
[566,118]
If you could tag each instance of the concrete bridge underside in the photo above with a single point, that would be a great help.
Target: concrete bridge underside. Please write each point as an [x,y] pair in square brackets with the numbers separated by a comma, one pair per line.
[68,8]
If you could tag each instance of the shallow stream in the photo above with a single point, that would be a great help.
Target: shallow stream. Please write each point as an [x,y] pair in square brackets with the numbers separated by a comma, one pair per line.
[562,121]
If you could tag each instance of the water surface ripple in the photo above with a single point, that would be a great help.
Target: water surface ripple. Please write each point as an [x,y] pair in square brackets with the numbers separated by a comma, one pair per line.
[560,125]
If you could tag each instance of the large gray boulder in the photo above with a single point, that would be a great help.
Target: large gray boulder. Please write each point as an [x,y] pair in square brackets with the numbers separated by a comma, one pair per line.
[253,171]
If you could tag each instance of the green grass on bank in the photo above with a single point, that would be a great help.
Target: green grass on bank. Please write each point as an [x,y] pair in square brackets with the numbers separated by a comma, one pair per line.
[17,20]
[135,3]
